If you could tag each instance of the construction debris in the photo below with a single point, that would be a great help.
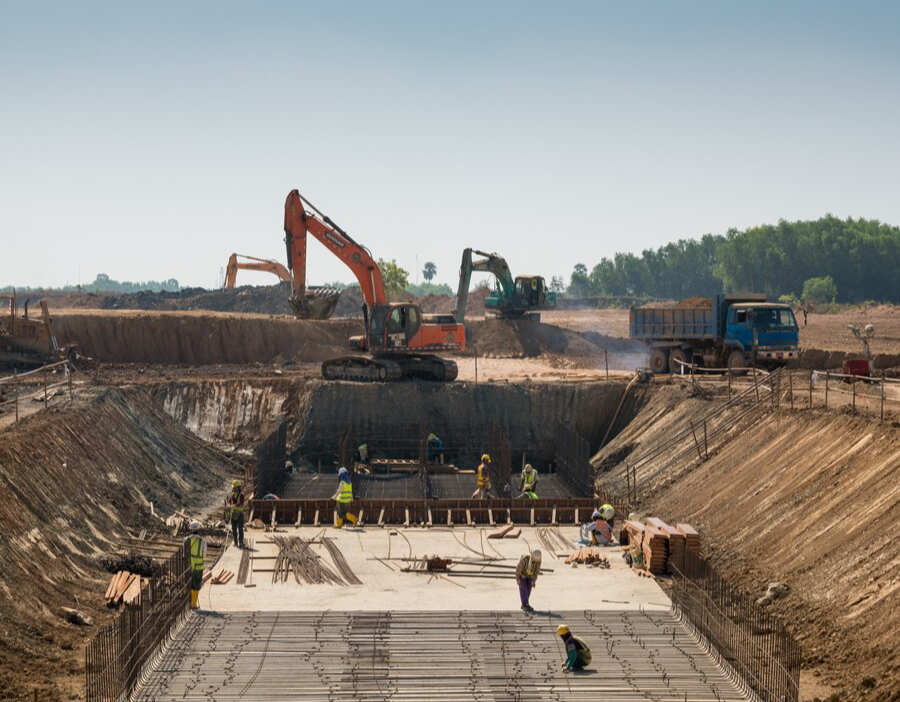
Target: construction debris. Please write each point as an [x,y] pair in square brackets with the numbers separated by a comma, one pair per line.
[222,577]
[589,557]
[123,587]
[295,555]
[132,561]
[73,616]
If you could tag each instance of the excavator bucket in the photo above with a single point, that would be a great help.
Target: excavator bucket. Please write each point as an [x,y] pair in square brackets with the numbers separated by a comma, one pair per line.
[317,303]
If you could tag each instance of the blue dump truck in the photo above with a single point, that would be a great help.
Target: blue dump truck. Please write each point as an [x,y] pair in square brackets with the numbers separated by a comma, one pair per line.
[726,331]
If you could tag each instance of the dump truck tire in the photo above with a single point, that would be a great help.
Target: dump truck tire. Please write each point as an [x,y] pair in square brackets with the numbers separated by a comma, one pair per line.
[659,361]
[737,363]
[674,366]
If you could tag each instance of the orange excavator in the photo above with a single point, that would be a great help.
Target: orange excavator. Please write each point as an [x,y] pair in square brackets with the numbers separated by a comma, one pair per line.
[251,263]
[399,341]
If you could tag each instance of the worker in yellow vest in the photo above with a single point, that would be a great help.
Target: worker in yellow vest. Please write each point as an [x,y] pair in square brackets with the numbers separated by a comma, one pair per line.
[578,655]
[343,497]
[483,485]
[196,546]
[235,501]
[529,482]
[609,514]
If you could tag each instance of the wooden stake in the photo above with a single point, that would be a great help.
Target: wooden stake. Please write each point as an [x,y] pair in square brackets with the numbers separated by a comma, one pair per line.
[16,385]
[827,376]
[791,388]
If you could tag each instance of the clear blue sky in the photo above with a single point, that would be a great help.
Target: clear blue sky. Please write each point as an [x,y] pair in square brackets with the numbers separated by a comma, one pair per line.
[151,140]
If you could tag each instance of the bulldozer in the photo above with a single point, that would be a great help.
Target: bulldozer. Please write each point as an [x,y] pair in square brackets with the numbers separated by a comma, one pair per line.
[28,341]
[513,298]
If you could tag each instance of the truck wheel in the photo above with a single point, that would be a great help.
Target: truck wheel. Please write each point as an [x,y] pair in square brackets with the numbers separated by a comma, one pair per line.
[659,361]
[674,366]
[737,363]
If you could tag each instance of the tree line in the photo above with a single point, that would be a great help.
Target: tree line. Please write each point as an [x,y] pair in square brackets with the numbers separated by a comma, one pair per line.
[103,283]
[852,260]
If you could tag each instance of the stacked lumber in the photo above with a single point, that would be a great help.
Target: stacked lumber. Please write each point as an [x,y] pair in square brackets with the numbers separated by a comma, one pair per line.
[222,577]
[124,587]
[676,544]
[692,539]
[590,557]
[655,548]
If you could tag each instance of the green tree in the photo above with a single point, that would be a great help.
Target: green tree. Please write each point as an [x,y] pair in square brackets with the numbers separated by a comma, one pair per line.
[821,290]
[395,278]
[429,271]
[579,283]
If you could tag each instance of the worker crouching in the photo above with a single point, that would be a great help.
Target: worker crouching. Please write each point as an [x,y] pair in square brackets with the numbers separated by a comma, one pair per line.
[527,572]
[528,484]
[343,497]
[196,546]
[578,655]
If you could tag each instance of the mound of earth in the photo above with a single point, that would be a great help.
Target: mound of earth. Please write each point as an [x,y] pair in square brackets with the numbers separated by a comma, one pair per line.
[69,493]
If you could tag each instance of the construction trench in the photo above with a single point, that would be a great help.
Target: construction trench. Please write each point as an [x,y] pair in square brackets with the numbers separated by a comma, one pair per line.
[300,627]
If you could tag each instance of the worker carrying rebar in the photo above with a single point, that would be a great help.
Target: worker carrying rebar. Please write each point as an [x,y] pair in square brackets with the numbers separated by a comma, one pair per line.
[527,572]
[435,449]
[343,497]
[235,501]
[597,532]
[196,546]
[578,655]
[483,484]
[529,482]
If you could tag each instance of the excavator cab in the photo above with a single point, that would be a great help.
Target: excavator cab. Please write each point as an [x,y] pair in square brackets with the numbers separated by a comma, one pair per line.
[531,291]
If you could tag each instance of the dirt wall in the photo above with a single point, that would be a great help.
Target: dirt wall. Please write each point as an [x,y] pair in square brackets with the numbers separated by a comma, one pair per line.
[808,498]
[69,491]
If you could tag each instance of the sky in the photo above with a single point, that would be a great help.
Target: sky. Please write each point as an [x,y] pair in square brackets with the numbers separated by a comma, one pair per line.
[152,140]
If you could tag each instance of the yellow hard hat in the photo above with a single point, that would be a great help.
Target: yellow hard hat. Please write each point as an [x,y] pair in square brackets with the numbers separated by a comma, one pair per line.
[236,483]
[485,458]
[562,629]
[431,437]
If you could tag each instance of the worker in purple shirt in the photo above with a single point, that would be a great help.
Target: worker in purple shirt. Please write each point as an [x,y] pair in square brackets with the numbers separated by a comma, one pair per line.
[527,572]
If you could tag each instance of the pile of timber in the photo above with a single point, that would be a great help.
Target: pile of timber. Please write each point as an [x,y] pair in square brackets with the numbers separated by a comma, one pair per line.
[661,545]
[124,587]
[590,557]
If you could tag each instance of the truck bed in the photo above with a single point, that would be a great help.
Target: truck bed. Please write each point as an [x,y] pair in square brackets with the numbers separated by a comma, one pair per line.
[672,323]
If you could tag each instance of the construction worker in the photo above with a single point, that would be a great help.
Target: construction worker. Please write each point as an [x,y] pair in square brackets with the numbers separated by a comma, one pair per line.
[363,451]
[196,545]
[527,571]
[344,496]
[578,655]
[597,533]
[483,488]
[529,482]
[236,502]
[608,514]
[289,467]
[435,449]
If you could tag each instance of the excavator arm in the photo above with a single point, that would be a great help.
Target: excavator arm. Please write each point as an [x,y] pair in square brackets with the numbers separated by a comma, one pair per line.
[491,263]
[300,222]
[252,264]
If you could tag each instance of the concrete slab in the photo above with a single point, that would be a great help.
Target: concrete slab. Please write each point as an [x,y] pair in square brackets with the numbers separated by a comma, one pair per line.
[387,588]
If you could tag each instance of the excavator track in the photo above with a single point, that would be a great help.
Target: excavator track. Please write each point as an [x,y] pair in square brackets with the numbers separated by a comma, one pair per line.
[381,369]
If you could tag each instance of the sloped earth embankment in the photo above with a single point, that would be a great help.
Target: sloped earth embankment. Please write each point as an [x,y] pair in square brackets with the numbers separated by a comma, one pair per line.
[811,499]
[74,479]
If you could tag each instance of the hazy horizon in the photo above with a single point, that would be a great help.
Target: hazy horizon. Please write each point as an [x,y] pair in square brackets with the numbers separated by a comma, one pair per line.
[152,141]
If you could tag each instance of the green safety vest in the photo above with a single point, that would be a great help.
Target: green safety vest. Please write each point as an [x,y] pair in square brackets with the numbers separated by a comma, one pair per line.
[196,553]
[530,479]
[345,495]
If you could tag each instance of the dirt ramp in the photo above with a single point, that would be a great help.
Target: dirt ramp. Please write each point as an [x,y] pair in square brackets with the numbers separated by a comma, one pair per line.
[69,491]
[197,338]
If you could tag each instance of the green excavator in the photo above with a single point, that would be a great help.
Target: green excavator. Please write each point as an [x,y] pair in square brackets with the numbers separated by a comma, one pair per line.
[513,298]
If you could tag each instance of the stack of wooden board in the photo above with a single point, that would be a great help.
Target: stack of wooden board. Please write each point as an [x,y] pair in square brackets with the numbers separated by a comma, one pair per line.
[676,544]
[656,550]
[691,538]
[123,587]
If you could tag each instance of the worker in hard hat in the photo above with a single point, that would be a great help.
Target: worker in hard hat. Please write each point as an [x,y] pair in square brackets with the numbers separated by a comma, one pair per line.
[609,514]
[527,572]
[235,501]
[483,484]
[289,467]
[196,546]
[344,496]
[597,532]
[578,655]
[435,449]
[529,481]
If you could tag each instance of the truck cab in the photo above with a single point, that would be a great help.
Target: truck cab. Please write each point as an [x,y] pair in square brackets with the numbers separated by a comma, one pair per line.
[766,331]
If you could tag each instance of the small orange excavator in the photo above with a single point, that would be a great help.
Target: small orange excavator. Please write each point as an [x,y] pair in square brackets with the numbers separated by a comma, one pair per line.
[251,263]
[399,340]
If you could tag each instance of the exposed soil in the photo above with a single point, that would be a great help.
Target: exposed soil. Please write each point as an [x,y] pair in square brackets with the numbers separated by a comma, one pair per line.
[69,492]
[807,498]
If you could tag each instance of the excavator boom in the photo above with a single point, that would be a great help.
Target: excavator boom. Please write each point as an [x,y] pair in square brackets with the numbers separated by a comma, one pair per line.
[251,263]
